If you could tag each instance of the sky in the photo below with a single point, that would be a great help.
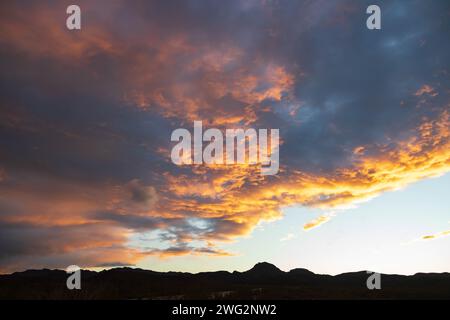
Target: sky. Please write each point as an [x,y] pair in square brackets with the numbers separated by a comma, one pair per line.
[86,118]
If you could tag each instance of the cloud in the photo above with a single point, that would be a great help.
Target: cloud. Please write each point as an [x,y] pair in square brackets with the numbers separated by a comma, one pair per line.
[426,89]
[25,246]
[317,222]
[86,118]
[143,194]
[288,237]
[436,236]
[185,250]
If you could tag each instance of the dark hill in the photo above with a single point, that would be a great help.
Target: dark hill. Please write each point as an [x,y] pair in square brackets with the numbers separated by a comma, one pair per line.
[263,281]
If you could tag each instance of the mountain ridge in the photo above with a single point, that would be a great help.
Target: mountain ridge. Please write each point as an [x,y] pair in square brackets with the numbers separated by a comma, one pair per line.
[262,281]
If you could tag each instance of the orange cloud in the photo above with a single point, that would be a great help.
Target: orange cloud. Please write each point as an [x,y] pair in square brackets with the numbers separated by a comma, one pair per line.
[181,78]
[212,76]
[426,89]
[239,194]
[317,222]
[180,251]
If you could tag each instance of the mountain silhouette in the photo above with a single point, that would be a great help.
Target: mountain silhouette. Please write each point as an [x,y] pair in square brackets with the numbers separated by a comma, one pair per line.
[263,268]
[263,281]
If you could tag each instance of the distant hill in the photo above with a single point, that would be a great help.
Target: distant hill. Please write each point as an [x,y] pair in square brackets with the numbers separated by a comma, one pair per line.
[263,281]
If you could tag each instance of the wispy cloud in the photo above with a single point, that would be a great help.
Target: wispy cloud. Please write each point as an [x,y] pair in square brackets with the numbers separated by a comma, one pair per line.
[437,235]
[288,237]
[426,89]
[318,221]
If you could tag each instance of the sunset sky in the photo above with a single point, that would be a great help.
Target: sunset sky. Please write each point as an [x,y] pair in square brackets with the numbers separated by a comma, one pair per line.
[364,117]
